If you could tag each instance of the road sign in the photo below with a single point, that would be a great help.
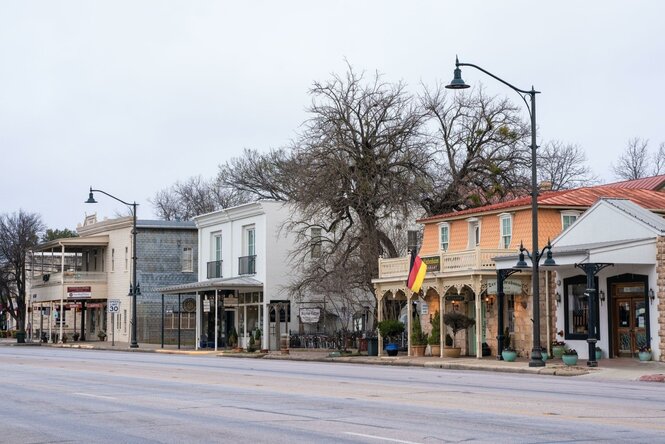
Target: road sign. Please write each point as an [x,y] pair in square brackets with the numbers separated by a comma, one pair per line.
[113,305]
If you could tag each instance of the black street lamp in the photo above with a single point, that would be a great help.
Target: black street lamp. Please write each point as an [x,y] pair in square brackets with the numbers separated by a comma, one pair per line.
[458,83]
[134,289]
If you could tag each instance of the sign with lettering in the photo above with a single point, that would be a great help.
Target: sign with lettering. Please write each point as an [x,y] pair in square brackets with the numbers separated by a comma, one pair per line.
[79,292]
[433,263]
[113,305]
[310,315]
[206,306]
[455,297]
[510,286]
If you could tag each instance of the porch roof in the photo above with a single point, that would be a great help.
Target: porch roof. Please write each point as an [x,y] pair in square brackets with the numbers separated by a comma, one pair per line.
[73,243]
[232,283]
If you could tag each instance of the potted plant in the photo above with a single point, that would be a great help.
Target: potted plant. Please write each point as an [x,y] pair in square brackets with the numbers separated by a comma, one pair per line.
[558,347]
[508,353]
[457,322]
[569,356]
[418,338]
[76,336]
[599,353]
[434,339]
[101,334]
[644,353]
[233,338]
[64,338]
[251,346]
[389,329]
[544,354]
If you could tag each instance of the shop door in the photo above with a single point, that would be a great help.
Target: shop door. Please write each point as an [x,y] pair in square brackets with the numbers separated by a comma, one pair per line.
[630,322]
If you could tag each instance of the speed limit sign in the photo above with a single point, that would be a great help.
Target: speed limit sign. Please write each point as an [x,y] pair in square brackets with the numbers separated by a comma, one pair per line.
[113,305]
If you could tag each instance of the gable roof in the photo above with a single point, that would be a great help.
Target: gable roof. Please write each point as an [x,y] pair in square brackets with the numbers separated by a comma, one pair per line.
[578,198]
[647,217]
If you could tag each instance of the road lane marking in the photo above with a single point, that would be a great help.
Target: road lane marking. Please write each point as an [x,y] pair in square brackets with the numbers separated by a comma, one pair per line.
[95,396]
[362,435]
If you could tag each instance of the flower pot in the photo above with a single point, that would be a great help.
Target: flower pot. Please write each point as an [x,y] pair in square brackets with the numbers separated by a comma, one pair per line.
[557,350]
[569,359]
[452,352]
[599,355]
[644,356]
[418,350]
[435,350]
[544,355]
[509,355]
[392,349]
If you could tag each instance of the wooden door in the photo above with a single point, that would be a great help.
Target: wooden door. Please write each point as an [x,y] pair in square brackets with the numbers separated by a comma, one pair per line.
[630,326]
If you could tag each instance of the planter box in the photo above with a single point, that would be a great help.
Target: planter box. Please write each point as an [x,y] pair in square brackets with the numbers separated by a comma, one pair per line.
[509,355]
[644,356]
[452,352]
[418,350]
[435,350]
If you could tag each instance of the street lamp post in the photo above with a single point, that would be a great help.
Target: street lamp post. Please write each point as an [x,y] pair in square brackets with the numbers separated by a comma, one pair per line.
[458,83]
[134,289]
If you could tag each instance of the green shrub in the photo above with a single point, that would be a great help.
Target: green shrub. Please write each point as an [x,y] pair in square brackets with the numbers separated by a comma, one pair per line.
[417,335]
[390,328]
[435,336]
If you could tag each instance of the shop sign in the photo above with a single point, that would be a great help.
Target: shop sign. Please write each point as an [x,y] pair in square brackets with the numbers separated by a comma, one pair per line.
[206,306]
[510,286]
[79,292]
[433,263]
[310,315]
[455,298]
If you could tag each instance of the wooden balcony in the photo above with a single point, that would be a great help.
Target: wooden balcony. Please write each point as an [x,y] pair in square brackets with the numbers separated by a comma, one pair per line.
[453,262]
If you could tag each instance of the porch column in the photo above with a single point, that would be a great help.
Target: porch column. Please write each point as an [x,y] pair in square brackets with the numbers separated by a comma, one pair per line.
[179,319]
[379,318]
[501,275]
[409,309]
[216,317]
[591,270]
[62,293]
[479,321]
[442,333]
[198,322]
[265,337]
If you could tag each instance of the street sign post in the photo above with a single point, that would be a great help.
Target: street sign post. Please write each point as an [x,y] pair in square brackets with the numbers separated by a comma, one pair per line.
[113,307]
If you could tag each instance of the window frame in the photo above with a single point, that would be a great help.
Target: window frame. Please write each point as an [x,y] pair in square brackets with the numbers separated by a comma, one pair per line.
[316,242]
[577,280]
[187,259]
[566,214]
[445,225]
[502,236]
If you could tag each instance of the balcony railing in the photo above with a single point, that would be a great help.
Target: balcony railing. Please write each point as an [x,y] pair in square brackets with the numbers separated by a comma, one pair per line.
[214,269]
[465,260]
[70,277]
[247,265]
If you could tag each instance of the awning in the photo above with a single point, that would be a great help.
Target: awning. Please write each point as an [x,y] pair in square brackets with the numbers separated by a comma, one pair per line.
[233,283]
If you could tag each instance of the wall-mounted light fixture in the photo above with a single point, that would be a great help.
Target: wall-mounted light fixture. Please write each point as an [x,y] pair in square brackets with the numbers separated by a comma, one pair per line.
[601,294]
[489,303]
[557,297]
[652,295]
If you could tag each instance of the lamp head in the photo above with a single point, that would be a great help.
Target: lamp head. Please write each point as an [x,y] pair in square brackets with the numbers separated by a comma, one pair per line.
[549,261]
[521,263]
[91,198]
[457,82]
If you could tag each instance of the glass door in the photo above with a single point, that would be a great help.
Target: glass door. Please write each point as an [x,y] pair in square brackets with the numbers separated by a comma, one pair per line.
[630,321]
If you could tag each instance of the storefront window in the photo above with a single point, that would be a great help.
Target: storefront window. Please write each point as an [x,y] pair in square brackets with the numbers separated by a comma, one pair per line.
[576,306]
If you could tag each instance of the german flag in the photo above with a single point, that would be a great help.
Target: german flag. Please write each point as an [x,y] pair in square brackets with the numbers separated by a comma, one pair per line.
[416,273]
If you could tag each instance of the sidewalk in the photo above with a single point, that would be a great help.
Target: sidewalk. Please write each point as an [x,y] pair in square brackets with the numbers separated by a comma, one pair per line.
[610,369]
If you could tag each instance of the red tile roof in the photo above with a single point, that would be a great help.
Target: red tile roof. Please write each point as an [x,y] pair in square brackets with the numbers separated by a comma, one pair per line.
[579,198]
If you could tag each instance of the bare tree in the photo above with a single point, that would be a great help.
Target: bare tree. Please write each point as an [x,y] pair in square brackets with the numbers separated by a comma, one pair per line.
[19,232]
[195,196]
[659,160]
[481,155]
[564,166]
[360,159]
[633,163]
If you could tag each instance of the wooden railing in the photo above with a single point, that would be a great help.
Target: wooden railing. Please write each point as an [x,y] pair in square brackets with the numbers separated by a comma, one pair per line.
[475,259]
[71,277]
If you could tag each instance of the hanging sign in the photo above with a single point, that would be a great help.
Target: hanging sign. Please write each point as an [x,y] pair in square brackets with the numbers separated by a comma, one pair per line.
[79,292]
[510,286]
[310,315]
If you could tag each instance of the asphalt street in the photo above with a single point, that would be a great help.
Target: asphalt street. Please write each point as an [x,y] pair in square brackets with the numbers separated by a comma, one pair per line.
[71,395]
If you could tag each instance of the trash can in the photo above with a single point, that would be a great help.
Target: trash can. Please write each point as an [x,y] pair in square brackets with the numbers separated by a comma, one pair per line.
[373,347]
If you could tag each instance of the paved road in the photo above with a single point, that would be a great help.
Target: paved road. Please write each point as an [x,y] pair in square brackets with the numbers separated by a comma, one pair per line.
[65,395]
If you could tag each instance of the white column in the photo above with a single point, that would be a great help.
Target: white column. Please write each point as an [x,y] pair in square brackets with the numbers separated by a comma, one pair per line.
[216,318]
[442,333]
[265,338]
[479,324]
[409,309]
[62,292]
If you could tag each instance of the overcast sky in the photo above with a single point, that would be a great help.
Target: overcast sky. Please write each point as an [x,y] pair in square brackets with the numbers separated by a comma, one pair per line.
[132,96]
